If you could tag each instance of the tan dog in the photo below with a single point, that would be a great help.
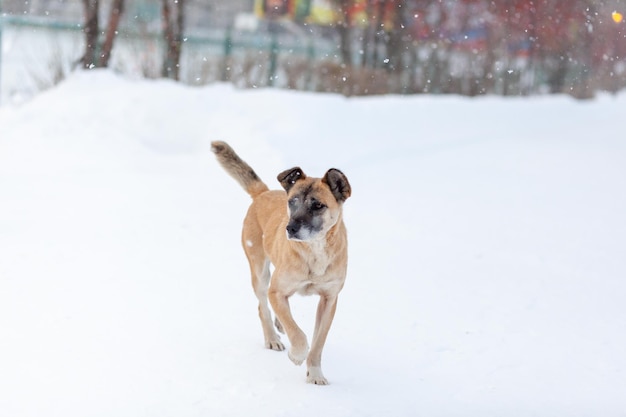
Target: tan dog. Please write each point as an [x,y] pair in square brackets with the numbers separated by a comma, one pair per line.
[301,232]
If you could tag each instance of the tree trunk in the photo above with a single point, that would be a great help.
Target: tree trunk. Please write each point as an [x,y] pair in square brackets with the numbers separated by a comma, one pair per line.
[173,34]
[395,39]
[91,30]
[117,8]
[379,34]
[368,34]
[344,33]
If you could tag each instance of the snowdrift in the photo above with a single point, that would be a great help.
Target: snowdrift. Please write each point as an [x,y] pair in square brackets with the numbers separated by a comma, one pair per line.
[486,273]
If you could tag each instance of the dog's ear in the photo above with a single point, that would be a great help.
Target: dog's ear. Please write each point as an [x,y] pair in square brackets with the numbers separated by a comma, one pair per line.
[288,178]
[338,184]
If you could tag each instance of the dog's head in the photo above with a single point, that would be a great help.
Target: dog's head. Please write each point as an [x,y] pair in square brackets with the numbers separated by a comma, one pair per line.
[314,204]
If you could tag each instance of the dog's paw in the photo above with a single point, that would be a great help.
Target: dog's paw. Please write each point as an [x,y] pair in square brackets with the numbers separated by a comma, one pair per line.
[298,356]
[314,376]
[275,345]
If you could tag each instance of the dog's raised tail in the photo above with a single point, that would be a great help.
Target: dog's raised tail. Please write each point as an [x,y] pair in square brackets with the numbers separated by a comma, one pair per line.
[238,169]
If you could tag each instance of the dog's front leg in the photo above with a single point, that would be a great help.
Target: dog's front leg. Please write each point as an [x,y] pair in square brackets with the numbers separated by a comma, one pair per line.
[325,313]
[299,346]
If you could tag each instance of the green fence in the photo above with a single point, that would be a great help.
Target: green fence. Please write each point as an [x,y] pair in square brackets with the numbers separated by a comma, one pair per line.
[41,51]
[38,52]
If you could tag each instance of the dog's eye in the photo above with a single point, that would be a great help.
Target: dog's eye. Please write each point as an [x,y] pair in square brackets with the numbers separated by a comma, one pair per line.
[293,201]
[316,205]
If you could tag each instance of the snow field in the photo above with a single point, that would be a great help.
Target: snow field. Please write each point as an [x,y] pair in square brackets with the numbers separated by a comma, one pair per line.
[486,254]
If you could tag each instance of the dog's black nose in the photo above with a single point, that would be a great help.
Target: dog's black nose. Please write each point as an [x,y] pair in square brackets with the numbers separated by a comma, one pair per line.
[292,229]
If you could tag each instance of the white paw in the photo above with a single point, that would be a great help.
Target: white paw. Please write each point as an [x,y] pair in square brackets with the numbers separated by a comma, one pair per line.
[274,345]
[314,376]
[298,356]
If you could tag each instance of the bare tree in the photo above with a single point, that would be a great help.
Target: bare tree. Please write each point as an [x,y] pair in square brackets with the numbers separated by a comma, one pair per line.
[91,30]
[97,55]
[117,9]
[369,33]
[384,33]
[173,26]
[396,38]
[344,31]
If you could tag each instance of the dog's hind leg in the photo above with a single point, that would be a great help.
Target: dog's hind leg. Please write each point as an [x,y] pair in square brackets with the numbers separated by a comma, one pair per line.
[260,270]
[252,241]
[261,284]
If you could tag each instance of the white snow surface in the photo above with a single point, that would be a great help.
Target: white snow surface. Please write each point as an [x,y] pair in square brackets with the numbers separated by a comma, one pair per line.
[487,271]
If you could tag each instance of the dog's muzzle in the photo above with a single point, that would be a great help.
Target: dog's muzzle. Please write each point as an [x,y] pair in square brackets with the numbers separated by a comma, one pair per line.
[292,230]
[296,230]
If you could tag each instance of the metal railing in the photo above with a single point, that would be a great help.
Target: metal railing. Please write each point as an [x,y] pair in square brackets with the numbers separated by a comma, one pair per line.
[246,59]
[40,51]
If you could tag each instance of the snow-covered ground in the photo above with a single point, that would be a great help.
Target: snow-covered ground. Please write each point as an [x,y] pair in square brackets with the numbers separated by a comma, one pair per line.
[487,272]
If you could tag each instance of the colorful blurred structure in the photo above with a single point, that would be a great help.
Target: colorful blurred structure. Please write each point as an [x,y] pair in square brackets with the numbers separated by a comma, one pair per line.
[471,47]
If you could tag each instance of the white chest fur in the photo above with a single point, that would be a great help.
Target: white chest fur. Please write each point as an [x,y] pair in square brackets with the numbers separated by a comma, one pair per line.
[318,259]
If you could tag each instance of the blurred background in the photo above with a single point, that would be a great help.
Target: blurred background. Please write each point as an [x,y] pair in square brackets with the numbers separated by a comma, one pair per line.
[350,47]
